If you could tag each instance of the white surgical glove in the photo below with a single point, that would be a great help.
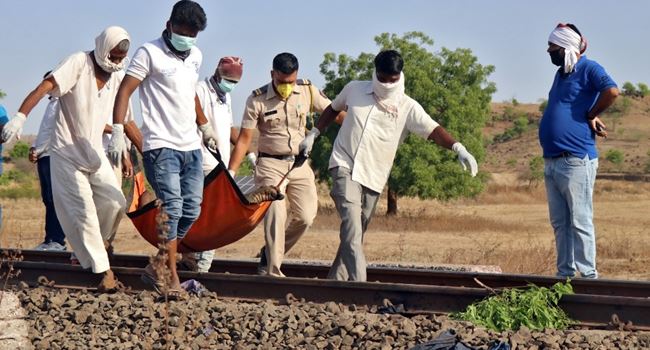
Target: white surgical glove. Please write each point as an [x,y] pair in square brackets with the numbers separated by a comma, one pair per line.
[14,127]
[209,137]
[465,158]
[252,158]
[117,145]
[308,143]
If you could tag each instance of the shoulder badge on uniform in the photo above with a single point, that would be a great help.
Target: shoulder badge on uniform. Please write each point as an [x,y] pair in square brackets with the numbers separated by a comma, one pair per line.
[260,90]
[303,82]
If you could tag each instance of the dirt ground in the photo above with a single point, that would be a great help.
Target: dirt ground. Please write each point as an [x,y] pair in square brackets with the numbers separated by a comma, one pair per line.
[506,226]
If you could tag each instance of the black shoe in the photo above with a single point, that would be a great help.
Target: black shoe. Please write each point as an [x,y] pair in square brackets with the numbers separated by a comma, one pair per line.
[263,264]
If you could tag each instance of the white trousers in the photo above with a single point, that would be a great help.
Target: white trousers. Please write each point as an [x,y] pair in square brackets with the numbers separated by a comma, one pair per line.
[89,207]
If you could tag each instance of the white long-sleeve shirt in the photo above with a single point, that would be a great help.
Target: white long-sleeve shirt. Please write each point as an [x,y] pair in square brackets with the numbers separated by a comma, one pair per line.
[42,141]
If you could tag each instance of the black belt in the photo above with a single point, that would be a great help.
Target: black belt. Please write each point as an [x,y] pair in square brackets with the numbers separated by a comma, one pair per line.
[562,155]
[288,158]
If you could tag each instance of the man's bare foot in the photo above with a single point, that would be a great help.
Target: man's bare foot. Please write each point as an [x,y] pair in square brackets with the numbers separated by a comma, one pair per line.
[108,283]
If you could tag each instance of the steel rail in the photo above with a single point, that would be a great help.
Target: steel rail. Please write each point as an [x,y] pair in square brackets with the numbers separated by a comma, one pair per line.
[593,309]
[419,276]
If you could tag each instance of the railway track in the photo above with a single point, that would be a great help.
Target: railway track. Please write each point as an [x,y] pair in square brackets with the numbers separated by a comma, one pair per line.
[419,291]
[418,276]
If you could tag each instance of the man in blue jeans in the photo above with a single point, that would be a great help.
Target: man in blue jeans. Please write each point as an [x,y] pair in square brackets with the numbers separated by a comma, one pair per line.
[166,71]
[581,91]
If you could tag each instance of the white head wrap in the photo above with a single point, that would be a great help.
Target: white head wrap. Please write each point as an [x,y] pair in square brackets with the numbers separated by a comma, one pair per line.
[107,41]
[388,95]
[571,41]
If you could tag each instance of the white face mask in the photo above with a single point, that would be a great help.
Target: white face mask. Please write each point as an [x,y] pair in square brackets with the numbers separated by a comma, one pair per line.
[104,43]
[108,65]
[388,95]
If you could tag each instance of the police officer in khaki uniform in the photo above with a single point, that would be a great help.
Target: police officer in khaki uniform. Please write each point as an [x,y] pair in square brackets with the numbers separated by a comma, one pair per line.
[280,111]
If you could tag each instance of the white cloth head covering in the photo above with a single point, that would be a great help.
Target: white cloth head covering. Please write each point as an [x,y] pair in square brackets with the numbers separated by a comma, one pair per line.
[572,43]
[107,41]
[388,95]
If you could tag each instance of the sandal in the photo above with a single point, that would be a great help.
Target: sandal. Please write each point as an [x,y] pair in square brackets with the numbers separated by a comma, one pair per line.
[173,294]
[149,278]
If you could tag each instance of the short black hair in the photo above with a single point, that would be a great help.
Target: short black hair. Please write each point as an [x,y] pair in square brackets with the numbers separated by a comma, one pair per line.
[285,63]
[389,62]
[189,14]
[46,74]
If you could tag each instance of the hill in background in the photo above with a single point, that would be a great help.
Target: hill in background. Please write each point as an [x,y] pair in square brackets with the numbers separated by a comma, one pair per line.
[511,137]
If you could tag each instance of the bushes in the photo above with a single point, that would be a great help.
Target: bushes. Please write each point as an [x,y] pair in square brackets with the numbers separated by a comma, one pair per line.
[20,150]
[615,156]
[521,125]
[18,184]
[640,90]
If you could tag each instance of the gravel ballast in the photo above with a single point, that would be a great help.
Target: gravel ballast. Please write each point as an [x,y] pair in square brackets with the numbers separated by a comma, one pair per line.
[63,319]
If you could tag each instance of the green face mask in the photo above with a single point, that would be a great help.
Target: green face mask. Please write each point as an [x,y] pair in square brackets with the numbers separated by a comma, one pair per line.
[284,90]
[182,43]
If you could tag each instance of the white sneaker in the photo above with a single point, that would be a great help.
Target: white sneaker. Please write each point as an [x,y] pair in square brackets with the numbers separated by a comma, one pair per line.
[55,246]
[50,246]
[42,246]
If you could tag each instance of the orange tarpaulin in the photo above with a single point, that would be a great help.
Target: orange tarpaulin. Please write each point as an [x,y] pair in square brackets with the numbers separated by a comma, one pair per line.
[226,215]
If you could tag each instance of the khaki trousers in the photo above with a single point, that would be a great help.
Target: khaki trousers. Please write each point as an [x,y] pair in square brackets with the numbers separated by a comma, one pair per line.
[300,191]
[89,207]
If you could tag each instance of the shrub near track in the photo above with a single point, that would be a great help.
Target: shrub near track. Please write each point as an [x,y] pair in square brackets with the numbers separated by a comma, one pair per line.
[534,307]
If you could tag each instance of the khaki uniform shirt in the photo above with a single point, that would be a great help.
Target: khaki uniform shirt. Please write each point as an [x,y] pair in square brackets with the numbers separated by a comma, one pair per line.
[281,123]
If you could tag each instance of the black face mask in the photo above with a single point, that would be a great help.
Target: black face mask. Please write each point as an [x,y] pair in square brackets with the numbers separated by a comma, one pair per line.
[557,57]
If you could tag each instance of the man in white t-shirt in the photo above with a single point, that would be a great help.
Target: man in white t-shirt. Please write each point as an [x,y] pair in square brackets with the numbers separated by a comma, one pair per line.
[214,96]
[166,71]
[379,117]
[87,199]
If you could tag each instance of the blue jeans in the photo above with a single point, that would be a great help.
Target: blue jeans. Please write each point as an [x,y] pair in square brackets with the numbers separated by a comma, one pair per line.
[569,188]
[177,179]
[53,230]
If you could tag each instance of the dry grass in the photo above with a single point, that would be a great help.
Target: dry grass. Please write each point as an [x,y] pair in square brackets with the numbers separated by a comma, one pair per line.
[506,226]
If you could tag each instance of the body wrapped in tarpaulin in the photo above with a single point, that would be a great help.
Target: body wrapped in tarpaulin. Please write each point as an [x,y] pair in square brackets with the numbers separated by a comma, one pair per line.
[226,214]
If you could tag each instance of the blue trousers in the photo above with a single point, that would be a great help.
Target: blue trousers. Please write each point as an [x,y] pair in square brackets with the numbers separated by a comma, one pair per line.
[569,187]
[177,179]
[53,230]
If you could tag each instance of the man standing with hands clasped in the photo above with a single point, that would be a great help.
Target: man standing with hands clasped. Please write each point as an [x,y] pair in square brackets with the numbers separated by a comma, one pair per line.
[581,91]
[379,117]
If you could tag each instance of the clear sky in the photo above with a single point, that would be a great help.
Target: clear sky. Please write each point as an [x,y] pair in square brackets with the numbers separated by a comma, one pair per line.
[511,35]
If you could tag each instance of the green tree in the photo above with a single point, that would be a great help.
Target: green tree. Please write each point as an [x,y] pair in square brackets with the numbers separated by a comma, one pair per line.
[451,85]
[20,150]
[2,94]
[542,105]
[535,170]
[620,108]
[629,89]
[643,89]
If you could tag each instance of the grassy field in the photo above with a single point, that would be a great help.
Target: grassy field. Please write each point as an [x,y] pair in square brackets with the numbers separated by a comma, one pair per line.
[506,226]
